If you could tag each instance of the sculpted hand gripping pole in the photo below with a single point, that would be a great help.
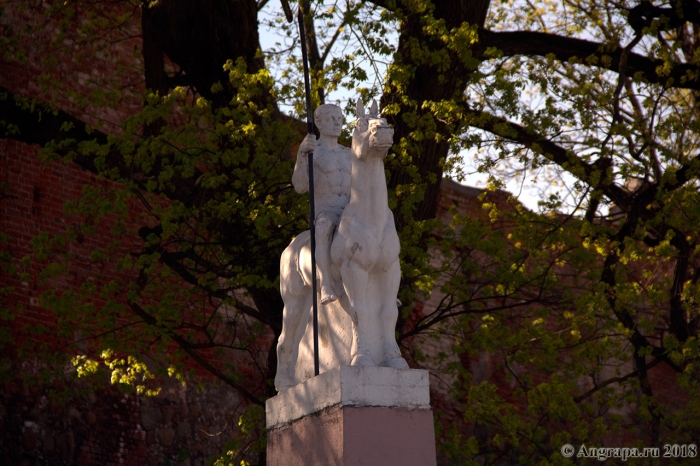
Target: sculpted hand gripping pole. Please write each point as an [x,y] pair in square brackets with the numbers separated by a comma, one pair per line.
[359,272]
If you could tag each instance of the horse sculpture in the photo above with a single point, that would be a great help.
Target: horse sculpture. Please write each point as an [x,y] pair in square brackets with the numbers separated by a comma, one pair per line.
[358,328]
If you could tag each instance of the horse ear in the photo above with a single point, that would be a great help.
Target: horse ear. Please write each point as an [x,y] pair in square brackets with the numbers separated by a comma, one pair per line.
[373,110]
[360,109]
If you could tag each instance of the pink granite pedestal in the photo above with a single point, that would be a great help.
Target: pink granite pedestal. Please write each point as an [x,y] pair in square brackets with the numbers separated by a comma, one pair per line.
[352,416]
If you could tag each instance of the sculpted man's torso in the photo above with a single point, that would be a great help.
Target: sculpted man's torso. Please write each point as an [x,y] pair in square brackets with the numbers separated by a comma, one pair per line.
[332,179]
[332,173]
[332,163]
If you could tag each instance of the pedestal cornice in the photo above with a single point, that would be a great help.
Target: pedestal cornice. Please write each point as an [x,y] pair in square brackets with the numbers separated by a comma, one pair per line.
[350,386]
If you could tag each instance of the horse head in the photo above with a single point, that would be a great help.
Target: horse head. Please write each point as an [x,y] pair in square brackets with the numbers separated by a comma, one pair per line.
[372,137]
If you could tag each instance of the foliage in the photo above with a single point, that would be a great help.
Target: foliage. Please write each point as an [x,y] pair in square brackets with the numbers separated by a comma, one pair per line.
[251,443]
[582,313]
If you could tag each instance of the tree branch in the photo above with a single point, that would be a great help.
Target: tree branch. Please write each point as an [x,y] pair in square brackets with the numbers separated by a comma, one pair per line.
[565,48]
[644,14]
[315,62]
[678,324]
[35,122]
[614,380]
[187,348]
[172,261]
[550,150]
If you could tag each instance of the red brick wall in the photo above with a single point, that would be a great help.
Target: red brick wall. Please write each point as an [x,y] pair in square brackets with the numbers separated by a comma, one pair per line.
[59,421]
[65,421]
[52,60]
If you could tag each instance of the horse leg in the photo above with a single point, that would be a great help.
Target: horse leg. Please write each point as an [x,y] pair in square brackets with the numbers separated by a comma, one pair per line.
[294,295]
[388,315]
[355,283]
[293,328]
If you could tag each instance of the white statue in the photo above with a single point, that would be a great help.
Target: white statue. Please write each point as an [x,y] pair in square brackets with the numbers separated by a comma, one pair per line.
[332,170]
[358,266]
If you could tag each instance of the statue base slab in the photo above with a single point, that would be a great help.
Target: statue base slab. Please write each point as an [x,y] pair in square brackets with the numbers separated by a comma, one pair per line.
[353,416]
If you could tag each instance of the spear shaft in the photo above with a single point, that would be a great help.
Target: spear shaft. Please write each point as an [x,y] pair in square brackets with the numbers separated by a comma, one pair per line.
[312,207]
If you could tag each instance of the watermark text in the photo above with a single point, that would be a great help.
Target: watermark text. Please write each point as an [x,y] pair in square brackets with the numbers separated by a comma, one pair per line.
[604,453]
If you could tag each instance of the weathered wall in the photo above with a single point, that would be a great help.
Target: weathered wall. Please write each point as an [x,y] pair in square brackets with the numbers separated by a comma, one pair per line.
[63,421]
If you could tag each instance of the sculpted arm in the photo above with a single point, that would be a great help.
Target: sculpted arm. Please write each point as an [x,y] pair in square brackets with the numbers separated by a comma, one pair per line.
[300,178]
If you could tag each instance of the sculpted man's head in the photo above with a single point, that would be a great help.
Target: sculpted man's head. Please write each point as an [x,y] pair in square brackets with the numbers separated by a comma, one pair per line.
[329,120]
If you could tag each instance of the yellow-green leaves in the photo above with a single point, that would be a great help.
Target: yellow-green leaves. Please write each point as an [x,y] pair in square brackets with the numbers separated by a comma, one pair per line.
[126,371]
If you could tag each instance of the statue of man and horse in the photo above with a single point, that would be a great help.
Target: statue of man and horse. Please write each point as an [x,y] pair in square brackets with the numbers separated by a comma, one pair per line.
[357,250]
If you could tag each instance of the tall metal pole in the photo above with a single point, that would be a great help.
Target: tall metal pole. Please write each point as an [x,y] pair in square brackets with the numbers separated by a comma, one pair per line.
[312,207]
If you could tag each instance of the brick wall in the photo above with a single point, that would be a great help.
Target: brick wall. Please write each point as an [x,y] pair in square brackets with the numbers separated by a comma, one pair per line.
[64,420]
[67,421]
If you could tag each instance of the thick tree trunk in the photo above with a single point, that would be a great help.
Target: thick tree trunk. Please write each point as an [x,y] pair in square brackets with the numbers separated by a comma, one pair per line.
[427,82]
[200,36]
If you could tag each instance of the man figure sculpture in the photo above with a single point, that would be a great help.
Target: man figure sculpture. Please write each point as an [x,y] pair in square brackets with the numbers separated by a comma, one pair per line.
[357,254]
[332,170]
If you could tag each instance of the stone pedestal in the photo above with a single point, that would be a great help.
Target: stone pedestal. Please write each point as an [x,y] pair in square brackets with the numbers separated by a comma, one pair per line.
[352,416]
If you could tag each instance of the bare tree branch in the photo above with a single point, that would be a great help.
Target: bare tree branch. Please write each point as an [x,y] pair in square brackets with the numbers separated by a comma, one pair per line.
[530,43]
[186,346]
[580,169]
